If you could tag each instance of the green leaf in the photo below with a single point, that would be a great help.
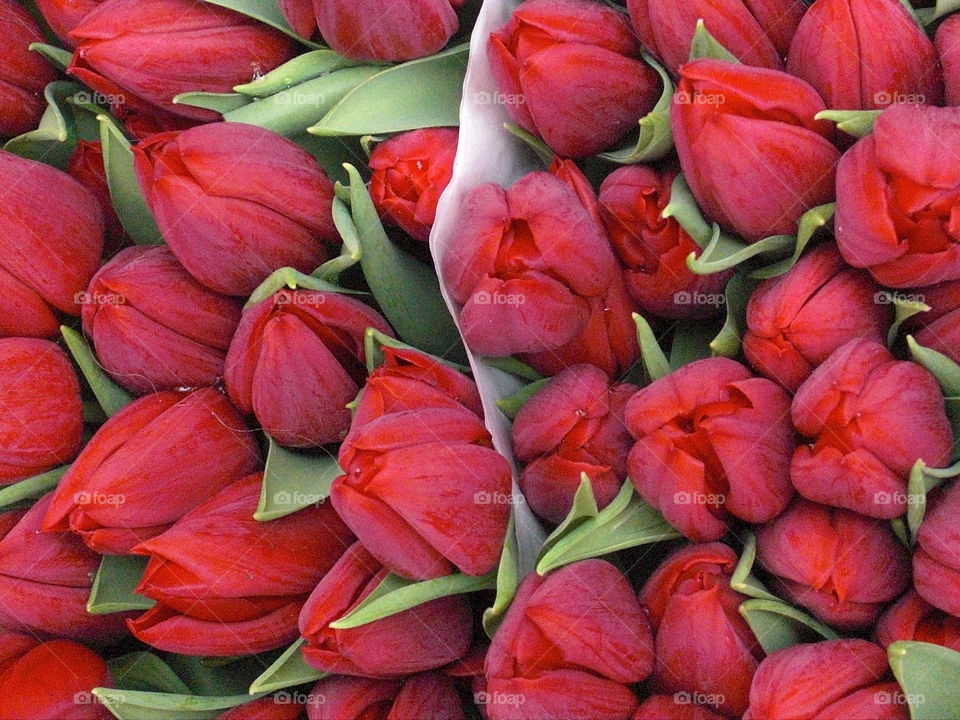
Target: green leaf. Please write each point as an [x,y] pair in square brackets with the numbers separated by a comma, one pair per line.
[115,583]
[288,670]
[140,705]
[31,488]
[930,677]
[904,309]
[266,12]
[218,102]
[58,57]
[858,123]
[55,139]
[691,342]
[216,676]
[510,406]
[743,580]
[723,252]
[922,480]
[294,480]
[508,579]
[374,341]
[945,370]
[727,343]
[777,625]
[539,147]
[945,7]
[125,192]
[654,360]
[288,277]
[515,367]
[420,93]
[112,397]
[705,45]
[308,66]
[584,508]
[683,207]
[147,672]
[655,139]
[810,223]
[350,251]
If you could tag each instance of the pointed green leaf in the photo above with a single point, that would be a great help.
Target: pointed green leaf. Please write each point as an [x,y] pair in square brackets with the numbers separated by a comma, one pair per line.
[140,705]
[218,102]
[125,192]
[737,293]
[655,140]
[510,406]
[858,123]
[904,308]
[514,367]
[55,139]
[810,222]
[147,672]
[308,66]
[945,370]
[294,480]
[266,12]
[31,488]
[114,585]
[683,207]
[584,508]
[58,57]
[923,479]
[539,147]
[705,45]
[350,251]
[288,277]
[930,678]
[743,580]
[723,252]
[508,579]
[290,669]
[777,625]
[654,359]
[945,7]
[112,397]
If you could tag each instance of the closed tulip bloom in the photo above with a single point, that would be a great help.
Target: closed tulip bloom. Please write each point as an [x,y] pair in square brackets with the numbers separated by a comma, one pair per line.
[153,326]
[23,74]
[939,329]
[947,42]
[409,172]
[49,248]
[797,320]
[865,55]
[86,167]
[750,149]
[898,190]
[297,361]
[713,445]
[669,707]
[231,217]
[150,464]
[936,560]
[427,696]
[868,418]
[790,684]
[41,412]
[913,618]
[569,72]
[64,15]
[574,425]
[282,706]
[843,567]
[757,32]
[547,651]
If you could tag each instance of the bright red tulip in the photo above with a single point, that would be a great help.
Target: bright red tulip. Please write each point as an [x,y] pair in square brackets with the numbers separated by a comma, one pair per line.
[713,445]
[50,247]
[795,321]
[64,15]
[569,647]
[41,412]
[150,464]
[750,149]
[427,696]
[868,418]
[297,361]
[913,618]
[153,326]
[86,167]
[936,560]
[23,74]
[844,567]
[567,70]
[939,329]
[408,174]
[673,707]
[947,42]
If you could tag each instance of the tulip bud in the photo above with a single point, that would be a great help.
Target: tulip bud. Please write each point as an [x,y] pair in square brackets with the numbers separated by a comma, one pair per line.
[947,42]
[86,167]
[844,567]
[939,329]
[713,444]
[574,425]
[282,706]
[795,321]
[673,707]
[232,219]
[409,173]
[545,653]
[831,679]
[865,55]
[153,326]
[936,560]
[913,618]
[567,70]
[64,15]
[427,696]
[757,33]
[41,412]
[895,209]
[149,465]
[23,74]
[50,247]
[750,149]
[297,361]
[868,419]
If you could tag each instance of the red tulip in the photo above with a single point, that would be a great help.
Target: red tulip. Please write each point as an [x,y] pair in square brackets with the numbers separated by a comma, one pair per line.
[795,321]
[232,219]
[939,329]
[865,55]
[41,413]
[86,167]
[749,146]
[50,247]
[23,74]
[758,33]
[897,198]
[426,637]
[150,464]
[153,326]
[713,444]
[847,679]
[64,15]
[936,560]
[45,581]
[675,707]
[297,361]
[705,651]
[409,173]
[868,418]
[570,646]
[567,70]
[913,618]
[844,567]
[282,706]
[947,43]
[573,425]
[427,696]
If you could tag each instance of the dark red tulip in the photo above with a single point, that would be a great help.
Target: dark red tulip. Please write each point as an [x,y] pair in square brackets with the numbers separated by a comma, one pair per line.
[897,197]
[947,43]
[713,445]
[865,55]
[758,33]
[242,602]
[50,247]
[750,149]
[425,637]
[297,361]
[282,706]
[544,660]
[236,202]
[913,618]
[408,174]
[705,651]
[153,326]
[23,74]
[574,425]
[427,696]
[64,15]
[41,412]
[936,559]
[86,167]
[150,464]
[939,329]
[673,707]
[795,321]
[868,418]
[45,581]
[844,567]
[568,71]
[790,684]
